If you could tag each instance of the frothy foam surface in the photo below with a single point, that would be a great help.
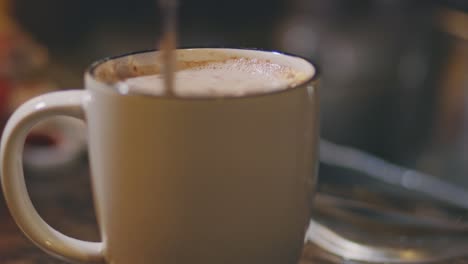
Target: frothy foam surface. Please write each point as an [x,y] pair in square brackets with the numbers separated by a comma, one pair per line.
[228,78]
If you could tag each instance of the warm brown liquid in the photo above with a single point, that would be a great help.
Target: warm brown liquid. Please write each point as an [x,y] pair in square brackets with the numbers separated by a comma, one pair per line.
[169,43]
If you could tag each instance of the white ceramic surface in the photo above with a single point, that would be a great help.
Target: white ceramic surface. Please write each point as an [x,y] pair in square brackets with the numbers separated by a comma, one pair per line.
[182,180]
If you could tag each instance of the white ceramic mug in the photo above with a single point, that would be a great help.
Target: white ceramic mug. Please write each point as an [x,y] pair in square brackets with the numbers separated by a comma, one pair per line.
[181,180]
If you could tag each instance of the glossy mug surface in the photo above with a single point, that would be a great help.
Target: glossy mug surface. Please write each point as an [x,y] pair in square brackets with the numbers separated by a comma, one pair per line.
[184,179]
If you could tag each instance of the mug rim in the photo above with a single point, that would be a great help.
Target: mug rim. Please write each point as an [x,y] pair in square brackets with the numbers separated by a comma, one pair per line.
[110,87]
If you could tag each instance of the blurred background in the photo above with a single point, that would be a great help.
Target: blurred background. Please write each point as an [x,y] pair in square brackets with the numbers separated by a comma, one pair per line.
[394,76]
[394,71]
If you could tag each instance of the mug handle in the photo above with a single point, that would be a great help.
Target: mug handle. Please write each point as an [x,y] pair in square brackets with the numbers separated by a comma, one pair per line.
[68,103]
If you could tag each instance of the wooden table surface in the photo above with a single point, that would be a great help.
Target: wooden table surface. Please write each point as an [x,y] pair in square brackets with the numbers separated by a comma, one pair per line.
[63,198]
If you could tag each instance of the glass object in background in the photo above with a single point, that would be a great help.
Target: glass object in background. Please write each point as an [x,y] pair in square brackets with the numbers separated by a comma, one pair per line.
[447,151]
[394,84]
[380,60]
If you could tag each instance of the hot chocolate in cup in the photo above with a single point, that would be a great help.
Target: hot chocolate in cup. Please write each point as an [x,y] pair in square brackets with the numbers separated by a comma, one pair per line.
[209,73]
[221,171]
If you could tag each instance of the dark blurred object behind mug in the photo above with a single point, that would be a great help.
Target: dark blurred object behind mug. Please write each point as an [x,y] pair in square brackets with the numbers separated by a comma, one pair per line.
[25,73]
[393,81]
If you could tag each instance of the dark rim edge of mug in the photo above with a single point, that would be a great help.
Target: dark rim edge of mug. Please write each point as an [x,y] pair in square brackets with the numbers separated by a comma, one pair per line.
[313,79]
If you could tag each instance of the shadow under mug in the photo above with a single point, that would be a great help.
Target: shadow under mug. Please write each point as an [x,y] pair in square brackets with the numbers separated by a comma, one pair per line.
[181,180]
